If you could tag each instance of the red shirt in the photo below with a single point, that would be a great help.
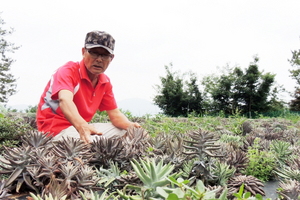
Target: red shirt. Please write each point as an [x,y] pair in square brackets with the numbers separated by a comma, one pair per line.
[73,77]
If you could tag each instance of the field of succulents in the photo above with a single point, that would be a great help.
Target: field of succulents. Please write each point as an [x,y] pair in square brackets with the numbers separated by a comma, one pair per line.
[169,158]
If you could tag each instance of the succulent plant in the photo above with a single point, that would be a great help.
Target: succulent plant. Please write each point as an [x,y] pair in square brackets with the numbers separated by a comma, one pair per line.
[86,178]
[175,144]
[36,140]
[72,149]
[219,190]
[288,173]
[173,151]
[248,142]
[14,163]
[125,179]
[68,172]
[50,168]
[49,165]
[289,189]
[35,181]
[172,158]
[281,150]
[159,142]
[251,184]
[108,177]
[152,175]
[105,150]
[57,190]
[4,191]
[222,172]
[182,191]
[166,144]
[201,145]
[233,140]
[237,159]
[291,136]
[293,162]
[50,197]
[187,168]
[202,170]
[247,127]
[136,142]
[96,196]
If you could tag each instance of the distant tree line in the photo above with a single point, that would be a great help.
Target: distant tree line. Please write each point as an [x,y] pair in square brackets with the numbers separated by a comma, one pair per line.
[246,91]
[7,80]
[295,74]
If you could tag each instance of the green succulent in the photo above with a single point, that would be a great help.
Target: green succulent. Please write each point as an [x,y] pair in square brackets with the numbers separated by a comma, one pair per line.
[50,197]
[281,150]
[107,177]
[182,191]
[223,172]
[96,196]
[151,174]
[288,173]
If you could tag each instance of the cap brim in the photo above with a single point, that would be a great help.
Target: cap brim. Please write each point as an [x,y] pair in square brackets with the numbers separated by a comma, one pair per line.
[90,46]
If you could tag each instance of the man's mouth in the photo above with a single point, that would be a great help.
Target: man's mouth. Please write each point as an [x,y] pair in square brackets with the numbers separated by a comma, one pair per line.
[96,66]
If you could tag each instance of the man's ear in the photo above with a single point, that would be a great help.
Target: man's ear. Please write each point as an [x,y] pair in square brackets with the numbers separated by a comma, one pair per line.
[83,51]
[112,57]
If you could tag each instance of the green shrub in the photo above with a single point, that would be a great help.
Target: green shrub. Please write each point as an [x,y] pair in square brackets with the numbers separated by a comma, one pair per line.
[10,131]
[261,163]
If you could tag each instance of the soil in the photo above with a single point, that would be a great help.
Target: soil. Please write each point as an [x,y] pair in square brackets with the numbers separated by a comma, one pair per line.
[270,189]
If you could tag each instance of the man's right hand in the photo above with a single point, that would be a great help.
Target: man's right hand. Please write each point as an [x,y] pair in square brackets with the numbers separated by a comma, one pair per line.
[85,132]
[70,111]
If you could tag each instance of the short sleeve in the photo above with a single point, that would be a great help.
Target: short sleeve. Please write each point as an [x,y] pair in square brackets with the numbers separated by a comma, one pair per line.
[63,79]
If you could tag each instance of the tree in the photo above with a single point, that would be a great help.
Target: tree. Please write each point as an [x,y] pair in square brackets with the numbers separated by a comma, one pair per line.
[295,61]
[7,80]
[177,97]
[192,96]
[247,91]
[295,103]
[295,74]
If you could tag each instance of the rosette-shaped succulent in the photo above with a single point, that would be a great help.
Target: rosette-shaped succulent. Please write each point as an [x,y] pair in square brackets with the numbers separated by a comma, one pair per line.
[72,149]
[106,150]
[290,189]
[251,184]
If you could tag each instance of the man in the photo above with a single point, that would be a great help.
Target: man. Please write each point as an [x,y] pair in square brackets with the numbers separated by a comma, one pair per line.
[77,90]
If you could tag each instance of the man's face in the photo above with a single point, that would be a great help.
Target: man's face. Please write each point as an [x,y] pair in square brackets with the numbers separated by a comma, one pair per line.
[96,60]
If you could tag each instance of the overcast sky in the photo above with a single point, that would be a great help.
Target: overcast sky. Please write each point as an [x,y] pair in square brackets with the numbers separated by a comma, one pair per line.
[194,35]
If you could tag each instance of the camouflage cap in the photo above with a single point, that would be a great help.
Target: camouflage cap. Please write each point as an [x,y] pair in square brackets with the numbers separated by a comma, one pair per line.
[100,39]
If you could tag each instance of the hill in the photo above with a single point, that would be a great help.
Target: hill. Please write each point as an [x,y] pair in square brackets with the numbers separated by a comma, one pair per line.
[138,107]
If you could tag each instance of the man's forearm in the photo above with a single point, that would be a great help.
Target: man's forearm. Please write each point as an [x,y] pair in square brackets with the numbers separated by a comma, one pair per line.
[71,113]
[121,121]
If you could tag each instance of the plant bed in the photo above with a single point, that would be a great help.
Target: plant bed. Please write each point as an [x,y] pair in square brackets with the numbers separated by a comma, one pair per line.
[205,153]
